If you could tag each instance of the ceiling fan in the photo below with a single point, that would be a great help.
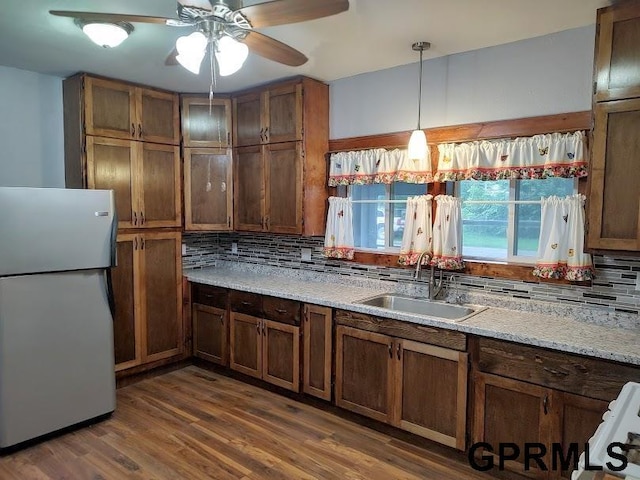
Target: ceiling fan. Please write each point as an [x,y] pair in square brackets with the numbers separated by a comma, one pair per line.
[226,26]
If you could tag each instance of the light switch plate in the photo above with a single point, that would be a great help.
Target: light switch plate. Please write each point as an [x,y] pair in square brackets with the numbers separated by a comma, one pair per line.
[234,247]
[184,249]
[305,254]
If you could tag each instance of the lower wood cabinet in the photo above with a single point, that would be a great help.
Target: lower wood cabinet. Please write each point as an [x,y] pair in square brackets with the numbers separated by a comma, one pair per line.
[414,386]
[265,349]
[147,286]
[210,337]
[517,412]
[316,351]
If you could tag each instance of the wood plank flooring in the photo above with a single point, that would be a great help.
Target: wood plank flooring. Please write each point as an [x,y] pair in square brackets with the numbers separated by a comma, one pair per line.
[195,424]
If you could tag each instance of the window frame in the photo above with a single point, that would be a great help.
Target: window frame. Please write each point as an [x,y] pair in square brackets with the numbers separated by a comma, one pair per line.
[512,224]
[469,132]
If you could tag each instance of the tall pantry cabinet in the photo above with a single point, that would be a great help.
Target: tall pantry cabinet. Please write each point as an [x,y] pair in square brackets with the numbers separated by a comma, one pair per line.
[126,137]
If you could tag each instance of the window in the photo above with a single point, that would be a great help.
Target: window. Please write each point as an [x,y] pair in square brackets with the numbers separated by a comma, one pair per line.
[378,214]
[501,218]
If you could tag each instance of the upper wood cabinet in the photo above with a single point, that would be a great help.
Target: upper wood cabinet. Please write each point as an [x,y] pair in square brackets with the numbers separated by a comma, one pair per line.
[614,190]
[206,123]
[613,201]
[617,65]
[268,188]
[208,189]
[280,175]
[120,110]
[270,116]
[144,176]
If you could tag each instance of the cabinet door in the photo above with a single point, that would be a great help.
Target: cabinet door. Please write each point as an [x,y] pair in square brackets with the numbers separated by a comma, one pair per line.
[249,189]
[159,185]
[510,411]
[617,66]
[281,354]
[126,324]
[206,124]
[161,296]
[208,192]
[110,108]
[110,166]
[248,123]
[245,343]
[283,206]
[283,112]
[210,333]
[158,116]
[431,392]
[316,362]
[614,193]
[579,418]
[364,373]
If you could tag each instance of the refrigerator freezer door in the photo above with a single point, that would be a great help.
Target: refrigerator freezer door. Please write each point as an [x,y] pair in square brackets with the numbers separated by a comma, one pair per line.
[54,229]
[56,353]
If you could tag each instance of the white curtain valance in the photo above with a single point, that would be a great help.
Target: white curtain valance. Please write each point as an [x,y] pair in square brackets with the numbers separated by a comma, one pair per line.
[338,240]
[378,165]
[540,156]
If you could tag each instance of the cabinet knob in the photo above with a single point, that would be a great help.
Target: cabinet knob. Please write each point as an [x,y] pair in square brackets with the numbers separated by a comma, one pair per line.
[266,134]
[135,243]
[141,218]
[399,352]
[545,404]
[133,130]
[139,130]
[390,350]
[135,218]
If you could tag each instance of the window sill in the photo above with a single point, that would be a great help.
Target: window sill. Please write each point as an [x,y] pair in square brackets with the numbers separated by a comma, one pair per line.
[521,272]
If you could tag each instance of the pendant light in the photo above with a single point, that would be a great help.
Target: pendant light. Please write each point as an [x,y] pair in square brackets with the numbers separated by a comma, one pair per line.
[418,142]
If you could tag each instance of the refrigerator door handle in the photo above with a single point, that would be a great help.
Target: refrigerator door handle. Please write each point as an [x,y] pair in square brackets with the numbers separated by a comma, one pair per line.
[114,262]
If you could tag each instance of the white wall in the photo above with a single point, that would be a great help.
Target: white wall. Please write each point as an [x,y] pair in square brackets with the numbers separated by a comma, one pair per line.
[539,76]
[31,129]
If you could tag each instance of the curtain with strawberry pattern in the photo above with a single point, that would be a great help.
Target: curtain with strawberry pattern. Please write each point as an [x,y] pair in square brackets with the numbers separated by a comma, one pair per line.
[418,233]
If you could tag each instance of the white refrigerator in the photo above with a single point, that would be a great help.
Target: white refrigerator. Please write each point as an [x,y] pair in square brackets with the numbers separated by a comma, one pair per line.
[56,323]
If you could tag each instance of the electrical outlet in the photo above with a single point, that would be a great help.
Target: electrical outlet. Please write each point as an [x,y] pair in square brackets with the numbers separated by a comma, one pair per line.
[638,282]
[184,249]
[234,247]
[305,254]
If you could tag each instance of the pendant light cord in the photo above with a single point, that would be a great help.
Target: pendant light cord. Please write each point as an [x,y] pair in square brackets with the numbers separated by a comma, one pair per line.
[420,90]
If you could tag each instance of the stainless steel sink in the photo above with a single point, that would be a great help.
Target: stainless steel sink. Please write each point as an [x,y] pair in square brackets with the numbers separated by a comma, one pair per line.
[402,303]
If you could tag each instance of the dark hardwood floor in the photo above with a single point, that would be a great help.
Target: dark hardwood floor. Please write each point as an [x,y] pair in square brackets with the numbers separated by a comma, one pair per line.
[195,424]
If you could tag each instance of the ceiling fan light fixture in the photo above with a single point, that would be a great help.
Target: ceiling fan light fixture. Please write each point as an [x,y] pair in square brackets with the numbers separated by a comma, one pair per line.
[230,55]
[191,50]
[417,149]
[107,35]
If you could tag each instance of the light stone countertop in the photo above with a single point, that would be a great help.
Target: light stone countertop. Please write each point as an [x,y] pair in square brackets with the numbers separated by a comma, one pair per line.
[556,331]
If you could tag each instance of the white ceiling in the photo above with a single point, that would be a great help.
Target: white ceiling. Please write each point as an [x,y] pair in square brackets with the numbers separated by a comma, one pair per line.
[372,35]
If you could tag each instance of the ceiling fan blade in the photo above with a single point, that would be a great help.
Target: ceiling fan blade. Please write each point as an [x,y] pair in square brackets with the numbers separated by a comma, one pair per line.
[272,49]
[280,12]
[171,58]
[113,17]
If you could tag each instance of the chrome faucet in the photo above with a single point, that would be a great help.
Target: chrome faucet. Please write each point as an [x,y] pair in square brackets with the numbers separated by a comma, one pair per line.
[433,287]
[416,275]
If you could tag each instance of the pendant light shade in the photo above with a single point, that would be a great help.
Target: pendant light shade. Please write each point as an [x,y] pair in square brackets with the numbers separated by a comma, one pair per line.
[230,55]
[417,149]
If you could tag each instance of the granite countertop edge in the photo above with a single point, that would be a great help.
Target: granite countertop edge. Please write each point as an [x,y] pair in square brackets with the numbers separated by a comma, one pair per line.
[557,333]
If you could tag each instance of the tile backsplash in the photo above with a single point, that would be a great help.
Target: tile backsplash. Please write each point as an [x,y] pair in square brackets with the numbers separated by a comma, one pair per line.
[616,287]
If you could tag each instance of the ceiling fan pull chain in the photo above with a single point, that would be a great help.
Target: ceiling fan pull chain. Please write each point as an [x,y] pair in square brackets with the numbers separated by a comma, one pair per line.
[213,76]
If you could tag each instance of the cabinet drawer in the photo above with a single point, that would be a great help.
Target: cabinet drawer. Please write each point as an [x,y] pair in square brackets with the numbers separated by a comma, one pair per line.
[245,302]
[396,328]
[585,376]
[209,295]
[281,310]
